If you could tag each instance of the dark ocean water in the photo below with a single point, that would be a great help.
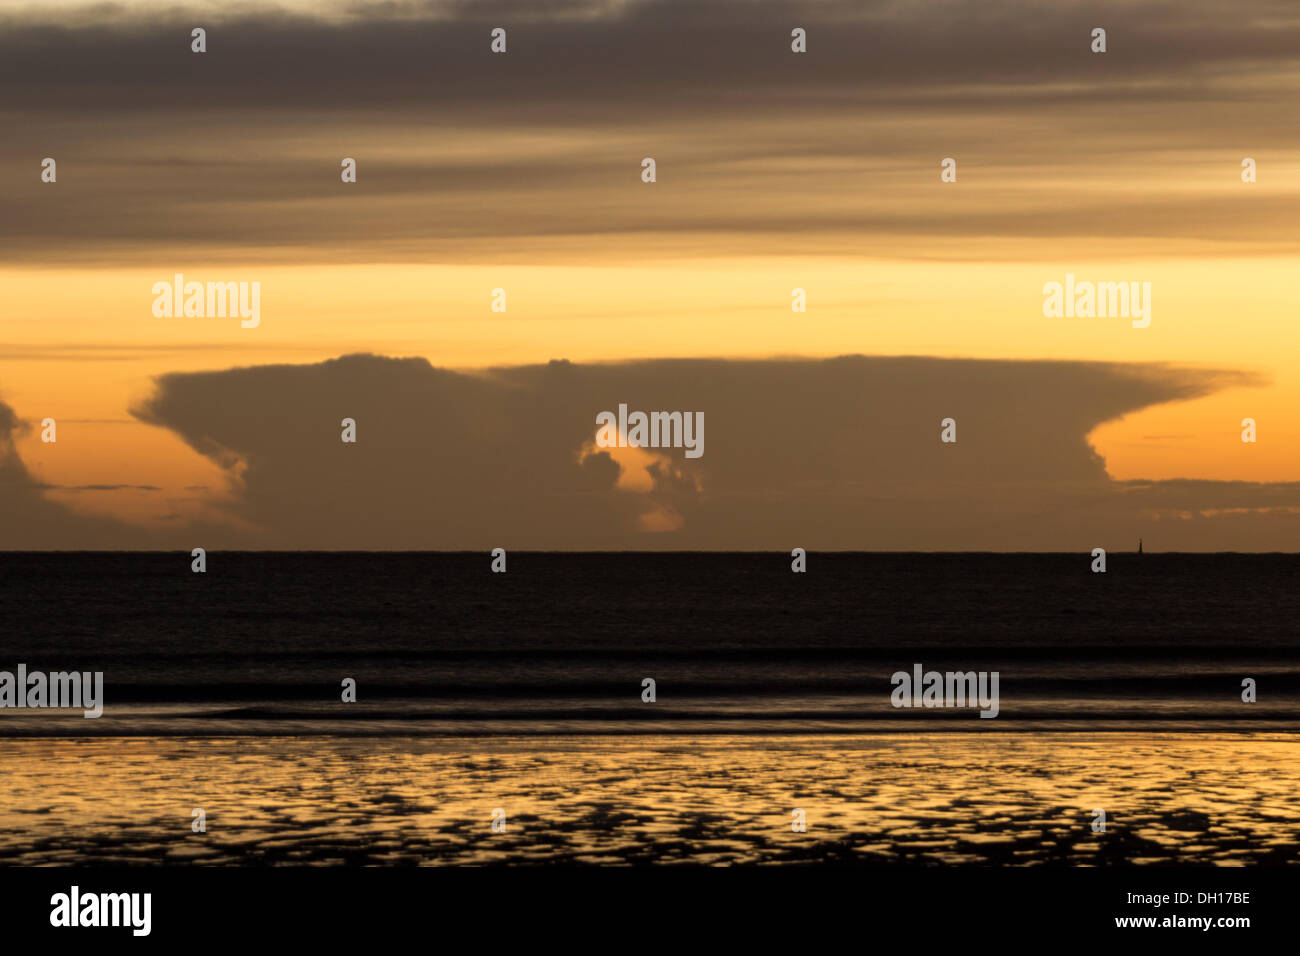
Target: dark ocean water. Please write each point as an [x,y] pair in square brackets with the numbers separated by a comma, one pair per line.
[737,644]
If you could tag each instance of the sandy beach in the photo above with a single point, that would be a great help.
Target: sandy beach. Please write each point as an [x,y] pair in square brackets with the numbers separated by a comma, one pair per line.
[1026,798]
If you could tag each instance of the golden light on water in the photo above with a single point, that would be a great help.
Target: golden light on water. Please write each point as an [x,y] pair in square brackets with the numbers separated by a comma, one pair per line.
[1021,798]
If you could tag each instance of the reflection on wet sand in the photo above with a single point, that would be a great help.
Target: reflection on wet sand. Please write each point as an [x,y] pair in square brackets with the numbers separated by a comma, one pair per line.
[1225,799]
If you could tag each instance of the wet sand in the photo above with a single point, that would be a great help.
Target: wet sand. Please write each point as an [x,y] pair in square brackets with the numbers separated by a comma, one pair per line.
[1025,798]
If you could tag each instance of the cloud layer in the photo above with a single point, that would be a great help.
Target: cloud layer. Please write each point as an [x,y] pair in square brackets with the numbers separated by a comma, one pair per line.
[840,453]
[161,150]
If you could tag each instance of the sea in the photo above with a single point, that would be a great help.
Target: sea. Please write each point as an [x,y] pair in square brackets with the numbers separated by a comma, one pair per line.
[1146,714]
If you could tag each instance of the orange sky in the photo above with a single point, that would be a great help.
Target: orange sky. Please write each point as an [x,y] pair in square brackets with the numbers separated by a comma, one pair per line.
[109,346]
[775,172]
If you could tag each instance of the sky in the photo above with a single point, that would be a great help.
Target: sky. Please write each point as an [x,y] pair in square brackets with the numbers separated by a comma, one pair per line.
[774,170]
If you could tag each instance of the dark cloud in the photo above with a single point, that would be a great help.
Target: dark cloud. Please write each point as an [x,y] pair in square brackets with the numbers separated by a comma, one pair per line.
[636,55]
[838,453]
[162,149]
[834,454]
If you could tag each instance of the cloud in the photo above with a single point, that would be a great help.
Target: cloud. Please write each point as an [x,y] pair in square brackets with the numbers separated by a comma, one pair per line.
[839,453]
[163,151]
[641,55]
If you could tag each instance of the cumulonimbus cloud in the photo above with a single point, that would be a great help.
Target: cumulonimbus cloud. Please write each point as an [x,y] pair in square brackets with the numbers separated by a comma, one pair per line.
[841,453]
